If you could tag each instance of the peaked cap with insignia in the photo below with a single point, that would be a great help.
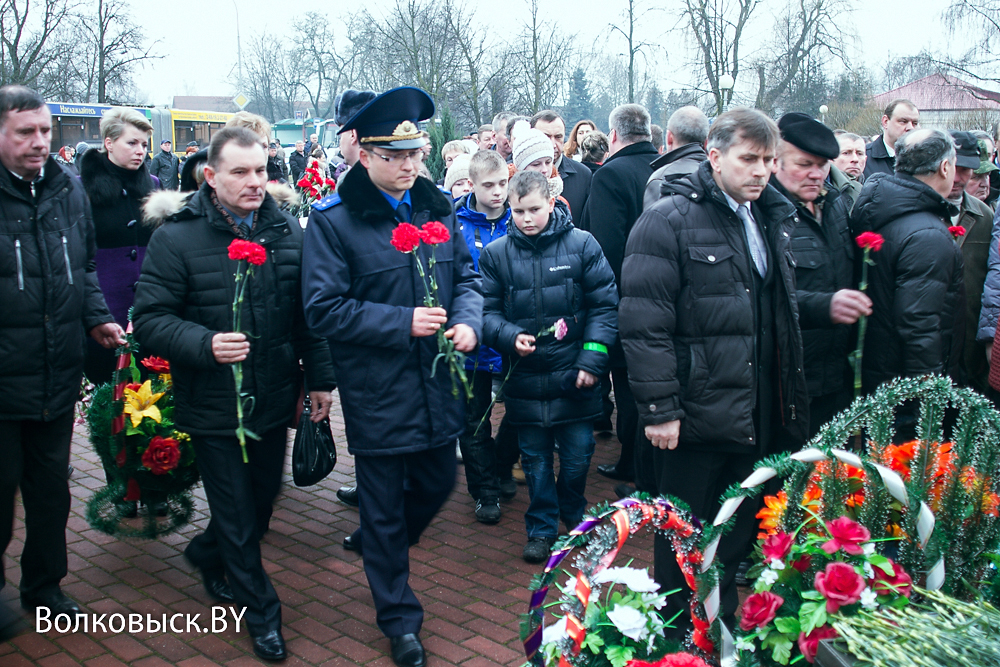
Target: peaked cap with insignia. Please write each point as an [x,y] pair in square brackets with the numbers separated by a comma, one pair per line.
[390,120]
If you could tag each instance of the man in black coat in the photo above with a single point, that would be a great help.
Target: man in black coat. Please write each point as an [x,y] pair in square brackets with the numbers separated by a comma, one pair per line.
[709,323]
[576,178]
[916,284]
[297,161]
[166,166]
[49,300]
[276,170]
[824,263]
[614,205]
[366,297]
[184,312]
[687,130]
[900,117]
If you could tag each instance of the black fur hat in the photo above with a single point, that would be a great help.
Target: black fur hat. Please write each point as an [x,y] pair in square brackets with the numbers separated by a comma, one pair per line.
[349,103]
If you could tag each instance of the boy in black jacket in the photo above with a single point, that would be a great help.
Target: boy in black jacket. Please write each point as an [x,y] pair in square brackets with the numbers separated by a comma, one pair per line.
[550,306]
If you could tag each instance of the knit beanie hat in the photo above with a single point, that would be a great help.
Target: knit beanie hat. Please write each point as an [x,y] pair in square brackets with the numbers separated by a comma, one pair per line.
[458,170]
[531,145]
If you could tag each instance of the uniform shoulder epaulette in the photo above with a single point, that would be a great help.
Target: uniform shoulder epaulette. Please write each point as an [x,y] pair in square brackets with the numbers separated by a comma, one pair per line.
[327,202]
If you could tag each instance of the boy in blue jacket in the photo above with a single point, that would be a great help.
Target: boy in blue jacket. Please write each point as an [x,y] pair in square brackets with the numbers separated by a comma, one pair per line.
[483,215]
[550,305]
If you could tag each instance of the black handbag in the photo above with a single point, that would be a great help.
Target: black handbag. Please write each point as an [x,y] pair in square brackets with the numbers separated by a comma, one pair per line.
[314,453]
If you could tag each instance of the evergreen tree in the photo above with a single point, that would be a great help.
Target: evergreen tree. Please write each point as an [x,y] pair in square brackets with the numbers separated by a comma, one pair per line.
[579,105]
[655,106]
[441,131]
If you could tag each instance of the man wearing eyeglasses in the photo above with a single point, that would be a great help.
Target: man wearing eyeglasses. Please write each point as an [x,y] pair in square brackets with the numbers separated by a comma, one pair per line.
[367,299]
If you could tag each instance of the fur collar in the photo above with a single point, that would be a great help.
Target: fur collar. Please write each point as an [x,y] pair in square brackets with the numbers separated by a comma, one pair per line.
[104,181]
[165,205]
[365,202]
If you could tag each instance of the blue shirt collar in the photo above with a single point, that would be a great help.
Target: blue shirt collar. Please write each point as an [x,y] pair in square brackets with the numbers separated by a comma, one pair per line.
[394,203]
[247,221]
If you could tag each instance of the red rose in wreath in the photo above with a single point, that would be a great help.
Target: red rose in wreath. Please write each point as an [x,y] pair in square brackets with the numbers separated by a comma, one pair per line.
[847,535]
[840,585]
[162,455]
[759,610]
[898,583]
[671,660]
[809,644]
[156,364]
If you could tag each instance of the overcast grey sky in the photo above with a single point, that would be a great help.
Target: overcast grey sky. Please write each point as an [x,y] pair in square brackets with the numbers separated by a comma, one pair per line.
[198,37]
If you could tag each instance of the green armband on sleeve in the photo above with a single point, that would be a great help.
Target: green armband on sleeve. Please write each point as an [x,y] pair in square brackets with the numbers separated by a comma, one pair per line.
[596,347]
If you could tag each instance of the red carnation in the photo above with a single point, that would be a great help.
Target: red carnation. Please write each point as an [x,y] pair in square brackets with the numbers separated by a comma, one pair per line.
[434,232]
[304,182]
[330,183]
[870,240]
[897,583]
[840,584]
[957,230]
[759,610]
[847,535]
[776,546]
[252,252]
[406,237]
[809,644]
[156,364]
[162,455]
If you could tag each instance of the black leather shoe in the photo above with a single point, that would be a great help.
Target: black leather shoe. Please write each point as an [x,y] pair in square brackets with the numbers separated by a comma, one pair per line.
[348,495]
[217,587]
[624,490]
[55,600]
[407,651]
[613,472]
[215,582]
[270,646]
[353,542]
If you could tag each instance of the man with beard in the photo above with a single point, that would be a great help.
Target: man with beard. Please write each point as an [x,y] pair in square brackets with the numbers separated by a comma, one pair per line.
[709,323]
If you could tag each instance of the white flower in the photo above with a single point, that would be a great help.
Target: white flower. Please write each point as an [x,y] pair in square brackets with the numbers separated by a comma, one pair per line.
[745,644]
[654,601]
[777,564]
[769,576]
[868,548]
[869,570]
[629,621]
[635,580]
[555,632]
[869,599]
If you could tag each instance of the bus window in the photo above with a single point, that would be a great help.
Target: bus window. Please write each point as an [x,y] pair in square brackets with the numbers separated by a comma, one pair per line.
[71,130]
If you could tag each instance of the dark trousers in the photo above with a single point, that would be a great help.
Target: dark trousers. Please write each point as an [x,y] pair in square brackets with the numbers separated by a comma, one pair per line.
[240,499]
[35,456]
[823,409]
[627,423]
[507,448]
[699,478]
[479,450]
[399,496]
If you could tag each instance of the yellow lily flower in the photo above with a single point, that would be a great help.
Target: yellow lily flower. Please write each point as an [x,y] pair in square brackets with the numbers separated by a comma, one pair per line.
[141,404]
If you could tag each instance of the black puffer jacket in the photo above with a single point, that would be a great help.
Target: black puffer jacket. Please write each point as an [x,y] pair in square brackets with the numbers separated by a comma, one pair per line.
[916,288]
[824,264]
[687,319]
[49,295]
[528,284]
[185,297]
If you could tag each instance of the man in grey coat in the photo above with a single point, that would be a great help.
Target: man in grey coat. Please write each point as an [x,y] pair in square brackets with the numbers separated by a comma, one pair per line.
[687,130]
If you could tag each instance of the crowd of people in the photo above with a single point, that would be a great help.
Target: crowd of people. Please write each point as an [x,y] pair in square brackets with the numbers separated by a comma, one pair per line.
[700,282]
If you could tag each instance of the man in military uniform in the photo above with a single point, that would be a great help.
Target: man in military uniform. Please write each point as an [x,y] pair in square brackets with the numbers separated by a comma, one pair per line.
[366,298]
[824,257]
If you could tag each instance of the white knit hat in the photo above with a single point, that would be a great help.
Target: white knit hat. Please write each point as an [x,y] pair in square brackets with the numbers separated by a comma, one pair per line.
[458,170]
[531,145]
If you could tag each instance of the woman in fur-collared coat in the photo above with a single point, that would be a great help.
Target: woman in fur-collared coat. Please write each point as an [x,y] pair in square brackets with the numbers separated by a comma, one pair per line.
[117,181]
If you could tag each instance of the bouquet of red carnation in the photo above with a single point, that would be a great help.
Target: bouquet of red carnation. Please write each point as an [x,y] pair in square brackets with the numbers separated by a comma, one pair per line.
[406,238]
[248,255]
[313,186]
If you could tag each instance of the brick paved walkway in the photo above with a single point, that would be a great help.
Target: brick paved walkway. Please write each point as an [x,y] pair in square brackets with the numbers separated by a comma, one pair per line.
[469,577]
